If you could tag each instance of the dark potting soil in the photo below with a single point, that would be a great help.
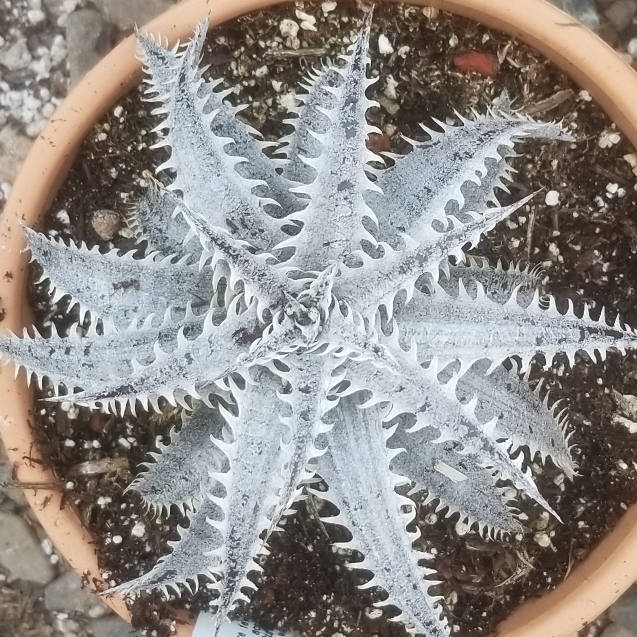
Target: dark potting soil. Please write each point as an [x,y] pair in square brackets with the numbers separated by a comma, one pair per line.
[587,245]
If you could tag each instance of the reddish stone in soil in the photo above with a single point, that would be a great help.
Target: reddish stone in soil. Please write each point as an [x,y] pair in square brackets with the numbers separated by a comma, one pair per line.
[268,596]
[378,143]
[477,62]
[97,422]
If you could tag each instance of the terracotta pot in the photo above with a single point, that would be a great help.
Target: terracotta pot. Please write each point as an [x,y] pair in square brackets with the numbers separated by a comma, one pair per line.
[591,587]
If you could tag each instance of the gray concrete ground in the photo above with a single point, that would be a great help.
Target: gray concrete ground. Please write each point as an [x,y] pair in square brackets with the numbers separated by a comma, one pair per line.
[46,46]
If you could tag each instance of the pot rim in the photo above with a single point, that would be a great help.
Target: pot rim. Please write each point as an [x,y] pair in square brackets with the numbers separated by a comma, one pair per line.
[610,568]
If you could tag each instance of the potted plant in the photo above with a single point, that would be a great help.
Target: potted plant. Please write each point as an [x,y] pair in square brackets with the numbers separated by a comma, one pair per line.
[610,568]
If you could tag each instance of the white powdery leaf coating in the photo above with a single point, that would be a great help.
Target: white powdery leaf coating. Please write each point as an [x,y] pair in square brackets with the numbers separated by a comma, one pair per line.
[252,485]
[417,391]
[258,278]
[212,355]
[122,288]
[191,557]
[379,280]
[523,414]
[468,330]
[333,220]
[479,196]
[178,473]
[498,283]
[160,64]
[421,185]
[152,220]
[205,174]
[310,379]
[92,360]
[356,469]
[310,121]
[472,492]
[391,375]
[257,166]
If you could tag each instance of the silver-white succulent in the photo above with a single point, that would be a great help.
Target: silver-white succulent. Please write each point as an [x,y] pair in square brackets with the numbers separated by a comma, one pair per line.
[296,307]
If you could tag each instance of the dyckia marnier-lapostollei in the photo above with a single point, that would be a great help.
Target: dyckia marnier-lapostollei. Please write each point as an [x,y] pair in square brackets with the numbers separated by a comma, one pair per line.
[319,296]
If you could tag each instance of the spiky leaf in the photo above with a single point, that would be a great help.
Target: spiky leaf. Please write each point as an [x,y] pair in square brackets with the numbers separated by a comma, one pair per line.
[119,287]
[456,479]
[360,483]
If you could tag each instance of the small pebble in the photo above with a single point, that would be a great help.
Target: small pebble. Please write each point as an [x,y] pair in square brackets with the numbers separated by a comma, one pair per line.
[122,442]
[384,45]
[390,106]
[608,139]
[97,611]
[63,217]
[117,539]
[542,539]
[462,528]
[47,110]
[431,518]
[452,598]
[105,223]
[288,28]
[479,62]
[139,530]
[552,198]
[542,522]
[307,21]
[390,88]
[288,101]
[36,16]
[631,158]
